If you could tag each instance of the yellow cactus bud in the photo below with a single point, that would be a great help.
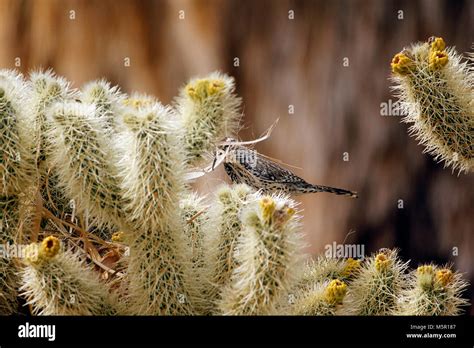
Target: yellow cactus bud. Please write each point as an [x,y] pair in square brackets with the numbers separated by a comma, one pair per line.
[335,291]
[437,44]
[382,262]
[438,59]
[401,64]
[49,247]
[444,277]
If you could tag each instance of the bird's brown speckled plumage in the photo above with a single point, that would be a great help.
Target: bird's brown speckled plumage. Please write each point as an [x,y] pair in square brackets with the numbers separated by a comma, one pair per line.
[243,165]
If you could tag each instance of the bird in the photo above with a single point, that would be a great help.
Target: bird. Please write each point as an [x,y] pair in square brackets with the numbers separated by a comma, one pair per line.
[245,165]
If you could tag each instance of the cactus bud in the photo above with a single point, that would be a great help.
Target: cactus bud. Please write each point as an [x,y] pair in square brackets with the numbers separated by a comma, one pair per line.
[268,258]
[56,282]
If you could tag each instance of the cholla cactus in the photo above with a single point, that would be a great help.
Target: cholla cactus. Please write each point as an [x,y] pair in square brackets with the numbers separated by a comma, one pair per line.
[108,100]
[321,299]
[433,291]
[56,282]
[15,150]
[118,163]
[267,254]
[435,87]
[378,285]
[152,172]
[8,287]
[208,109]
[15,133]
[195,219]
[9,220]
[47,89]
[221,237]
[324,268]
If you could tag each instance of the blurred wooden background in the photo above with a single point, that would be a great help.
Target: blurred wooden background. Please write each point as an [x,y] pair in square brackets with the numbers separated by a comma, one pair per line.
[283,62]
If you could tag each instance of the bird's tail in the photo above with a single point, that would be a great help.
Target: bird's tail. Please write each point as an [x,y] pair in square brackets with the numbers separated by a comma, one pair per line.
[337,191]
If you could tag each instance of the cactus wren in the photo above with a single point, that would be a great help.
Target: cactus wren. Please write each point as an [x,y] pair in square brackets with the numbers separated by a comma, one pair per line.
[246,166]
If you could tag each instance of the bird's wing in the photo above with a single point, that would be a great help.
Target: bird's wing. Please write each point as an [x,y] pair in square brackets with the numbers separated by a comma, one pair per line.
[231,172]
[267,170]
